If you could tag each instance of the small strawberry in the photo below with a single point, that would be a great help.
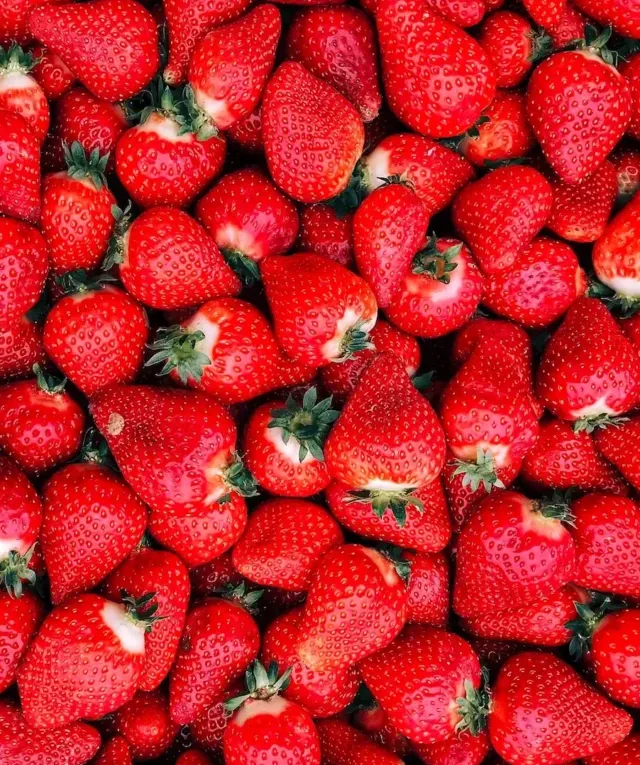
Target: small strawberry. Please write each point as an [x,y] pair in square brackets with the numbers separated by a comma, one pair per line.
[19,169]
[427,588]
[326,233]
[145,724]
[21,618]
[24,264]
[622,15]
[341,744]
[619,445]
[20,348]
[20,91]
[374,721]
[51,73]
[116,751]
[511,46]
[464,749]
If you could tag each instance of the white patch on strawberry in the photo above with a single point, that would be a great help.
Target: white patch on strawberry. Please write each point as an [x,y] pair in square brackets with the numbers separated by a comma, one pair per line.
[386,568]
[215,108]
[165,128]
[6,545]
[378,484]
[233,238]
[209,329]
[377,168]
[18,81]
[290,450]
[332,348]
[274,707]
[129,634]
[623,285]
[469,453]
[598,407]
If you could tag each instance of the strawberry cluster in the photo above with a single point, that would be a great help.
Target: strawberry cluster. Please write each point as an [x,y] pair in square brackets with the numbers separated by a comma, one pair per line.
[319,382]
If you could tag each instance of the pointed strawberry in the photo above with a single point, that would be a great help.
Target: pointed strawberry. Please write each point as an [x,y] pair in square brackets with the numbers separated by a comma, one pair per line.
[342,744]
[146,725]
[19,169]
[51,73]
[24,265]
[20,92]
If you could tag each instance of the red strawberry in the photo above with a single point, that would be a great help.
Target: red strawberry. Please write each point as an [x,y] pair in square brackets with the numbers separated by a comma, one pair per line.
[188,23]
[208,728]
[218,643]
[161,572]
[501,213]
[77,218]
[19,169]
[96,338]
[249,219]
[544,712]
[389,227]
[578,106]
[607,540]
[193,757]
[338,45]
[321,692]
[512,552]
[116,751]
[20,348]
[546,13]
[167,261]
[357,604]
[247,132]
[214,576]
[342,745]
[465,14]
[440,292]
[619,445]
[464,749]
[69,745]
[415,78]
[40,425]
[20,92]
[627,165]
[322,312]
[305,118]
[110,45]
[568,28]
[623,15]
[630,70]
[589,370]
[614,255]
[51,73]
[627,751]
[231,64]
[85,661]
[428,588]
[24,264]
[326,233]
[374,721]
[145,723]
[630,327]
[511,46]
[21,618]
[13,20]
[544,280]
[283,542]
[428,662]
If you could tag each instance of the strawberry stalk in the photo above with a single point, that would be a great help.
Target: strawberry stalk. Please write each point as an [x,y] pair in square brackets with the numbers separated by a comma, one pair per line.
[482,471]
[589,617]
[474,707]
[309,423]
[435,264]
[237,478]
[261,684]
[141,611]
[14,569]
[177,348]
[597,422]
[396,501]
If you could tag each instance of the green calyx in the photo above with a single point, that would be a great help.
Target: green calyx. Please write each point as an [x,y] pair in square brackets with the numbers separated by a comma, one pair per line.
[94,449]
[400,180]
[354,339]
[245,267]
[177,348]
[72,282]
[48,383]
[474,707]
[423,382]
[456,141]
[394,554]
[621,305]
[589,616]
[596,43]
[141,611]
[541,45]
[309,423]
[482,471]
[435,264]
[396,501]
[115,249]
[598,422]
[239,594]
[14,570]
[556,508]
[261,684]
[237,478]
[352,197]
[14,59]
[81,167]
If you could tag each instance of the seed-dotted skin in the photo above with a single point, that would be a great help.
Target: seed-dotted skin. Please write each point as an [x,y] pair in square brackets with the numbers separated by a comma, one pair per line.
[247,132]
[324,232]
[51,73]
[20,93]
[14,16]
[19,169]
[615,653]
[21,618]
[616,253]
[627,751]
[342,744]
[460,749]
[619,445]
[24,264]
[145,723]
[544,712]
[623,15]
[20,508]
[20,348]
[506,38]
[116,751]
[428,588]
[208,728]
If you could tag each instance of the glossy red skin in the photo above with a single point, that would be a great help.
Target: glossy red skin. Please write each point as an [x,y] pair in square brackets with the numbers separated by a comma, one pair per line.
[564,86]
[569,27]
[411,75]
[607,540]
[631,329]
[276,729]
[211,577]
[283,542]
[321,693]
[619,445]
[51,73]
[630,70]
[417,678]
[247,132]
[24,264]
[164,573]
[209,727]
[324,232]
[21,618]
[20,508]
[37,429]
[116,751]
[357,604]
[463,749]
[613,656]
[193,757]
[463,14]
[170,262]
[510,556]
[219,642]
[342,744]
[623,15]
[114,64]
[427,531]
[21,94]
[627,751]
[305,117]
[374,721]
[474,332]
[20,348]
[614,253]
[19,742]
[140,426]
[338,45]
[428,588]
[145,723]
[546,13]
[544,712]
[157,170]
[627,165]
[61,680]
[19,169]
[14,20]
[91,522]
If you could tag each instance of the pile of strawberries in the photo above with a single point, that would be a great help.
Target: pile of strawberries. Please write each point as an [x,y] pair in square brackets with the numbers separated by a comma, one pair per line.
[319,382]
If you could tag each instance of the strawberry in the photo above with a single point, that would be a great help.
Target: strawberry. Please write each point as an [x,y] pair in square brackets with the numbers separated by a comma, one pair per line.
[305,118]
[412,78]
[21,618]
[155,432]
[342,744]
[466,14]
[187,23]
[24,264]
[428,661]
[231,65]
[249,219]
[420,520]
[623,15]
[630,70]
[627,165]
[614,255]
[544,712]
[96,338]
[166,260]
[51,73]
[627,751]
[589,370]
[13,20]
[268,727]
[338,45]
[511,46]
[440,291]
[546,13]
[20,348]
[512,552]
[76,211]
[630,327]
[163,573]
[326,233]
[19,169]
[388,228]
[569,27]
[428,588]
[283,541]
[116,751]
[374,721]
[563,96]
[218,643]
[321,692]
[542,283]
[501,213]
[619,445]
[464,749]
[228,350]
[40,425]
[607,539]
[357,604]
[193,757]
[214,576]
[321,311]
[145,724]
[110,45]
[207,730]
[247,132]
[69,745]
[85,661]
[20,92]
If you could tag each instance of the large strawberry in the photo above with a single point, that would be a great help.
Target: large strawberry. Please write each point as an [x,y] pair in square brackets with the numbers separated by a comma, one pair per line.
[619,445]
[615,255]
[24,264]
[21,618]
[341,744]
[313,136]
[19,91]
[544,712]
[146,725]
[20,348]
[19,169]
[110,45]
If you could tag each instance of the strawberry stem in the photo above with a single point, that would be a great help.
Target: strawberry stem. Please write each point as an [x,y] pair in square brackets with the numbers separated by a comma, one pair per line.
[482,471]
[14,569]
[309,423]
[237,478]
[177,348]
[435,264]
[474,707]
[81,166]
[261,684]
[396,501]
[597,421]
